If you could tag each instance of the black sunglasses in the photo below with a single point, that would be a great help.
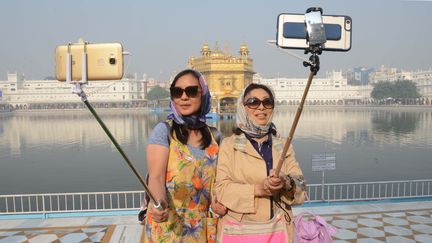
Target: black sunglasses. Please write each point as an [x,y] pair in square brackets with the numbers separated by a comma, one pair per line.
[254,103]
[191,91]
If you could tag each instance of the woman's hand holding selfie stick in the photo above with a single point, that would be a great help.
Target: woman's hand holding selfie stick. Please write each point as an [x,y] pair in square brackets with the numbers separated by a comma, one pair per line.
[159,212]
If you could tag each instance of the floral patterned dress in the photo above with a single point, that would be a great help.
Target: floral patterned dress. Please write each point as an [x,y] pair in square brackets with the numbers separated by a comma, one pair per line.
[189,184]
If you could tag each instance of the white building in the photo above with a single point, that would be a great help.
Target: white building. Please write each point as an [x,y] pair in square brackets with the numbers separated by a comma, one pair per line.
[23,94]
[330,90]
[422,78]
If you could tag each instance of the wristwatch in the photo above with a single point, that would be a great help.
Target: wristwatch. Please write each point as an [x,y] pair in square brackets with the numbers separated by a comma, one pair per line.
[290,182]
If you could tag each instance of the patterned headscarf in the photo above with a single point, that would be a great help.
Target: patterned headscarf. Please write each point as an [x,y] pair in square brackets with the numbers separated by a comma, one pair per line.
[247,125]
[194,121]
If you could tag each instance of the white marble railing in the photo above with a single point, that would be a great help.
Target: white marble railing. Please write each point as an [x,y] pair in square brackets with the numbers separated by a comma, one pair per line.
[130,200]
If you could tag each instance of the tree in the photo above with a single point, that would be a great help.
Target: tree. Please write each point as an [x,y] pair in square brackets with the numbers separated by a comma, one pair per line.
[400,89]
[406,89]
[382,90]
[157,93]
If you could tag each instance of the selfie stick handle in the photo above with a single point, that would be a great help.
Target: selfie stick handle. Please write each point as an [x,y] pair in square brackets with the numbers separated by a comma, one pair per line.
[314,67]
[83,96]
[135,171]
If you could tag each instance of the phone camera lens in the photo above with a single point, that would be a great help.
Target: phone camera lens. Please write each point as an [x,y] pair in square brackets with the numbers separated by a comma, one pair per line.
[348,24]
[112,60]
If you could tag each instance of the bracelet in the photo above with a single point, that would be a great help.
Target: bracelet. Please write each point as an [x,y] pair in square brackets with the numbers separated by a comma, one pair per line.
[213,214]
[158,206]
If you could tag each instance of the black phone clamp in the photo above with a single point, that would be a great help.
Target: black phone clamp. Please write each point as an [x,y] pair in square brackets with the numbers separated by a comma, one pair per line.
[314,62]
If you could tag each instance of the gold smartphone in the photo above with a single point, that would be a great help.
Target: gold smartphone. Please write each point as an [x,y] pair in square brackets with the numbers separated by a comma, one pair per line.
[104,61]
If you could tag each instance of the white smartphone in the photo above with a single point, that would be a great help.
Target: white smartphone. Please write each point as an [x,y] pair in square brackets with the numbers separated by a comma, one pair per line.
[291,32]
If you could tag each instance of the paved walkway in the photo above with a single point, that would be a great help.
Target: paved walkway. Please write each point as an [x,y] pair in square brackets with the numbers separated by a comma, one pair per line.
[364,222]
[379,222]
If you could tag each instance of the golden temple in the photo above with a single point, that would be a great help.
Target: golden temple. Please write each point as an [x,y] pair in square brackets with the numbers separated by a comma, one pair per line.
[225,74]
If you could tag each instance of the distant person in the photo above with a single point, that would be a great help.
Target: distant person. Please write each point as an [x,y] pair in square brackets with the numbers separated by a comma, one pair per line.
[245,180]
[181,158]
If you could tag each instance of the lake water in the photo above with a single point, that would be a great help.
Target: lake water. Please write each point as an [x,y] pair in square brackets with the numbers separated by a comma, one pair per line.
[67,151]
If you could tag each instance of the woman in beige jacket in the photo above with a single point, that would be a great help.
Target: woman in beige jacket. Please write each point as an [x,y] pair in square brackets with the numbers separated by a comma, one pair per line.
[245,181]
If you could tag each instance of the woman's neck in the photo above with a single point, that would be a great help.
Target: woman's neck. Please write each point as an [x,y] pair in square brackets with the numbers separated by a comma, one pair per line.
[261,140]
[194,138]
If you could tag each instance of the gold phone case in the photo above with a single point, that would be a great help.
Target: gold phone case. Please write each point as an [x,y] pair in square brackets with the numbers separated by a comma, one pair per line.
[104,61]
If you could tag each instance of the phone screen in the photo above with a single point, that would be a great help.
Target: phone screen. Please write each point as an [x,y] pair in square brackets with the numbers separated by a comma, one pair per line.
[298,31]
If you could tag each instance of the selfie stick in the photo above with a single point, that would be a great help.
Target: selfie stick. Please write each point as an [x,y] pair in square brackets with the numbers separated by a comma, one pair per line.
[314,67]
[77,89]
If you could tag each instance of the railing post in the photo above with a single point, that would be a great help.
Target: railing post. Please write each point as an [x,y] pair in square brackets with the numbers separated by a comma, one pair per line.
[29,203]
[125,200]
[347,193]
[7,205]
[322,187]
[43,203]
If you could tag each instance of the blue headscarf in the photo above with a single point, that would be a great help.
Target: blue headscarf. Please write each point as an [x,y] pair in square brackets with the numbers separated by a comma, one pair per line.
[194,121]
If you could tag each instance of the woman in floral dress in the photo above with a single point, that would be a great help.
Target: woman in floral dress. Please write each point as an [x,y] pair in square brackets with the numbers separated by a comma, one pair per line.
[181,157]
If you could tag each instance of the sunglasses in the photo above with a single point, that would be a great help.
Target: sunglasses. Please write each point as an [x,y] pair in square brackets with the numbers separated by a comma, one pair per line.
[254,103]
[191,91]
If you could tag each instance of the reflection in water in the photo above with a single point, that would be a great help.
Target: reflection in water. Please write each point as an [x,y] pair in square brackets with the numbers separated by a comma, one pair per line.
[131,128]
[72,153]
[333,125]
[395,122]
[359,138]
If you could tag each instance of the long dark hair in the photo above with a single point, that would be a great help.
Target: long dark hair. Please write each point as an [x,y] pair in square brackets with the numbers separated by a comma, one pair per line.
[248,89]
[181,130]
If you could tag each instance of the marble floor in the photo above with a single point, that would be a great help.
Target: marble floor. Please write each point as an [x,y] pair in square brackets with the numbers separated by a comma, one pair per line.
[365,222]
[408,226]
[387,222]
[58,234]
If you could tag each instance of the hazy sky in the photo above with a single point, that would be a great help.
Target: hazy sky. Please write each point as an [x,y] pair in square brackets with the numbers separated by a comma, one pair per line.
[161,34]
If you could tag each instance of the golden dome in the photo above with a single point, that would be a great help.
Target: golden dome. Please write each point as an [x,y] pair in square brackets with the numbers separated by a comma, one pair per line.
[205,50]
[205,47]
[244,48]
